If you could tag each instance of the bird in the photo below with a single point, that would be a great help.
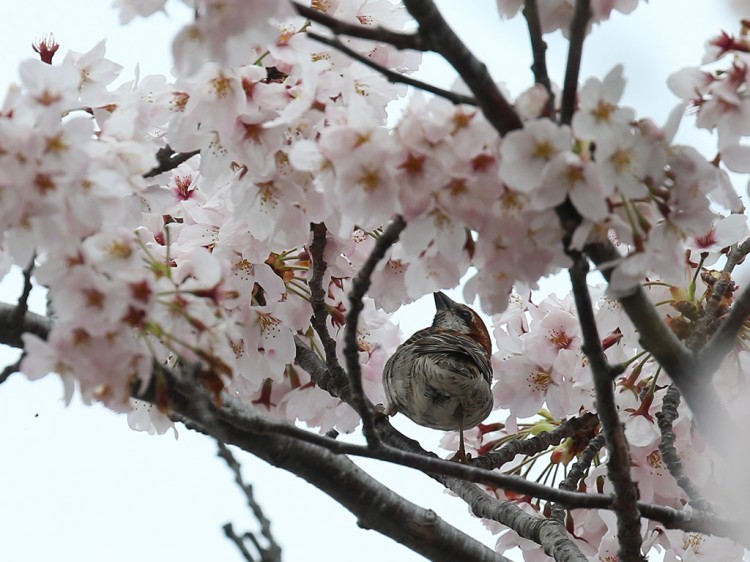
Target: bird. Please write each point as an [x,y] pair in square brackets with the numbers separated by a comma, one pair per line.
[441,376]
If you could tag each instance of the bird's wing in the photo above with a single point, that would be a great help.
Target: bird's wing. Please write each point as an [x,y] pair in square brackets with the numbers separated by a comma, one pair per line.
[451,348]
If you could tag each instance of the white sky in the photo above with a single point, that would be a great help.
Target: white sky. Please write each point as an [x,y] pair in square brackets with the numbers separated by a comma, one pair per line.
[77,484]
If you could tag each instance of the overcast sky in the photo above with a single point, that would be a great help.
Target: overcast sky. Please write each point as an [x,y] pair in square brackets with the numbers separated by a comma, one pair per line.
[77,484]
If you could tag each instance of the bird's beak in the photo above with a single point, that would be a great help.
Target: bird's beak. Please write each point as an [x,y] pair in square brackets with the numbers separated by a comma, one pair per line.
[443,301]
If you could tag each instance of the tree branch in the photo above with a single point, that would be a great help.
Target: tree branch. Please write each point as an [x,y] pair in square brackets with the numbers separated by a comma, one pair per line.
[439,37]
[618,462]
[578,27]
[577,472]
[665,418]
[375,505]
[320,311]
[681,364]
[267,439]
[360,284]
[538,51]
[399,40]
[270,553]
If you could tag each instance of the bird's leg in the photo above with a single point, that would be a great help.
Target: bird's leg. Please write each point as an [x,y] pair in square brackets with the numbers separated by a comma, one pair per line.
[460,455]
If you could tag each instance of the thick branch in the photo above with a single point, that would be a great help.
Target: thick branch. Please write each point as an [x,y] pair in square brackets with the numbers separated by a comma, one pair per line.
[440,38]
[618,463]
[375,505]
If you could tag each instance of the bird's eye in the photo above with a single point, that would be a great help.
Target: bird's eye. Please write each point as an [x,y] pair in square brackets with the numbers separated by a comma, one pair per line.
[465,315]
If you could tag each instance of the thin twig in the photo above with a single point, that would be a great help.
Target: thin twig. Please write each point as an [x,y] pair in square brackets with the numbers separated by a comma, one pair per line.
[578,26]
[272,552]
[391,75]
[538,51]
[380,34]
[9,370]
[238,542]
[618,463]
[360,284]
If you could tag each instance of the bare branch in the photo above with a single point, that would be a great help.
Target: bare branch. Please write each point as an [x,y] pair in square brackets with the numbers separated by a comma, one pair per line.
[238,542]
[391,75]
[272,552]
[618,463]
[360,284]
[440,38]
[538,50]
[578,27]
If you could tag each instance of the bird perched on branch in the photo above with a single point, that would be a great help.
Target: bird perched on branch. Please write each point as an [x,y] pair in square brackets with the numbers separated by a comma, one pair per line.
[440,377]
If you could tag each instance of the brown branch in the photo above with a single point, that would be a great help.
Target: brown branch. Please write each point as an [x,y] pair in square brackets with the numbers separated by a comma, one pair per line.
[618,463]
[538,51]
[168,160]
[578,26]
[391,75]
[360,284]
[380,34]
[440,38]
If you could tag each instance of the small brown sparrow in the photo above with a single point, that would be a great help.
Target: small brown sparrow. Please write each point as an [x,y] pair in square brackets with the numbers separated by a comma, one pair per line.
[440,377]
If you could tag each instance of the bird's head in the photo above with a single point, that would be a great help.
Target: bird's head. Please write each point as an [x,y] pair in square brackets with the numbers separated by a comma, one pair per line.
[457,317]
